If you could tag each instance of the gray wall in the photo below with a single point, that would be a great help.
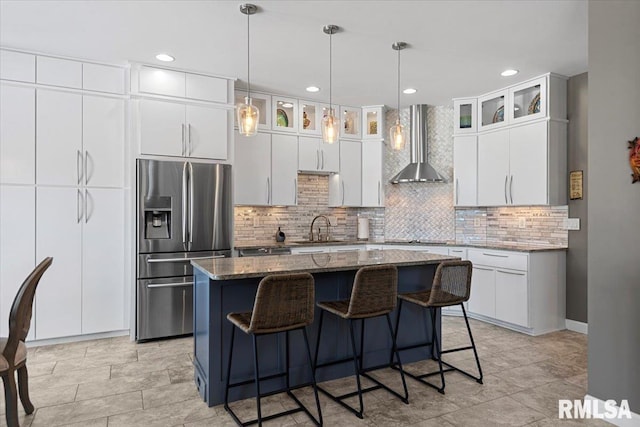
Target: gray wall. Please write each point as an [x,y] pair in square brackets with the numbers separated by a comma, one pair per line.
[614,203]
[577,113]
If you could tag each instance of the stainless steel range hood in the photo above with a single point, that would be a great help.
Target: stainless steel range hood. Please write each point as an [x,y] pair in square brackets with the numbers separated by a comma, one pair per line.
[419,170]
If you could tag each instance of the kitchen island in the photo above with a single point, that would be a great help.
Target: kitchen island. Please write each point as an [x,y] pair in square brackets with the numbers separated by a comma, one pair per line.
[229,284]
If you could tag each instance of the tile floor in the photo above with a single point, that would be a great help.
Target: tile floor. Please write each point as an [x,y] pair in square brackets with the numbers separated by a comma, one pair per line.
[114,382]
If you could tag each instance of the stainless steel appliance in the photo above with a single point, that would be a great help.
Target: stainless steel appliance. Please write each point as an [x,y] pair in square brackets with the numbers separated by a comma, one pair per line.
[263,251]
[184,212]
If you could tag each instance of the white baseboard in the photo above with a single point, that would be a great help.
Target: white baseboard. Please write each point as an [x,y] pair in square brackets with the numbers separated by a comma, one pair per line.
[77,338]
[575,326]
[634,421]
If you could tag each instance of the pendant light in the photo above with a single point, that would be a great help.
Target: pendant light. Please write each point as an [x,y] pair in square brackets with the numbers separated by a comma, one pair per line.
[397,133]
[248,114]
[330,123]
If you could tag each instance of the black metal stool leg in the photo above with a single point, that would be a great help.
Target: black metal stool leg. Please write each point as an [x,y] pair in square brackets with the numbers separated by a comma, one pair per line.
[315,358]
[257,377]
[357,369]
[313,376]
[226,388]
[287,377]
[436,346]
[394,350]
[395,333]
[473,344]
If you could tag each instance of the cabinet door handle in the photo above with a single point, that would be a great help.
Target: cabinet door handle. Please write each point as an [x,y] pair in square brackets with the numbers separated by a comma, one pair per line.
[510,272]
[322,154]
[458,252]
[79,207]
[189,136]
[295,191]
[317,159]
[379,185]
[86,205]
[495,255]
[457,190]
[511,189]
[79,166]
[268,190]
[183,139]
[506,179]
[86,168]
[483,269]
[169,285]
[342,192]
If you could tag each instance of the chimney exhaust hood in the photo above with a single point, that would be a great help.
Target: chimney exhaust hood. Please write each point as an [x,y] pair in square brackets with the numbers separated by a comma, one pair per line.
[419,170]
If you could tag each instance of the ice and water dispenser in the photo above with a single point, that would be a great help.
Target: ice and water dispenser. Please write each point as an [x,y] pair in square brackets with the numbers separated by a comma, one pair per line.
[157,218]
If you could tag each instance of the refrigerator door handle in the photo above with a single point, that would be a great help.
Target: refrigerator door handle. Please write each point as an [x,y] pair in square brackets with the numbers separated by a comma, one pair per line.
[184,203]
[159,260]
[191,197]
[169,285]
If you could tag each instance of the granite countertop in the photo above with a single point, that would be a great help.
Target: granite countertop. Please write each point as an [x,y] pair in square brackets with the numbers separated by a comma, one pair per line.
[512,246]
[248,267]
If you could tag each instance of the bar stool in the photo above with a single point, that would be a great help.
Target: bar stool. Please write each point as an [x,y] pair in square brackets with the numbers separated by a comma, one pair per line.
[373,294]
[283,303]
[451,286]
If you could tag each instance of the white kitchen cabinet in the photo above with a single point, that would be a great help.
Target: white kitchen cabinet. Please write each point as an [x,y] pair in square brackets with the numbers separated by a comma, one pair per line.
[262,102]
[465,115]
[491,110]
[58,72]
[493,168]
[17,251]
[372,164]
[207,132]
[465,170]
[205,88]
[427,249]
[350,122]
[161,82]
[17,66]
[103,136]
[252,174]
[345,188]
[521,291]
[59,155]
[173,129]
[317,157]
[528,159]
[103,78]
[58,306]
[17,134]
[284,114]
[103,234]
[373,122]
[284,170]
[528,101]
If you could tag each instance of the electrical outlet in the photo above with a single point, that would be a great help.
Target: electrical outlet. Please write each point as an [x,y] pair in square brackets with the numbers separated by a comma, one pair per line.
[476,222]
[333,220]
[522,222]
[256,221]
[573,224]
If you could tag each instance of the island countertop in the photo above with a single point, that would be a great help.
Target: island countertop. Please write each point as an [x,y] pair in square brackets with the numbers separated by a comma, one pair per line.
[249,267]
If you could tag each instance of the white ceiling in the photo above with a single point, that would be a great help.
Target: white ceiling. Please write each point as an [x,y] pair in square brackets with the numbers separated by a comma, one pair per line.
[457,48]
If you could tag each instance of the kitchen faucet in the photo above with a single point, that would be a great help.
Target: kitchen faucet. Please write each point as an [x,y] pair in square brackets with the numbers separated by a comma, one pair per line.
[328,224]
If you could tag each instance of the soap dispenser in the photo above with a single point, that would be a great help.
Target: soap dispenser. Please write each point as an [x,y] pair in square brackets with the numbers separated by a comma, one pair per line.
[280,236]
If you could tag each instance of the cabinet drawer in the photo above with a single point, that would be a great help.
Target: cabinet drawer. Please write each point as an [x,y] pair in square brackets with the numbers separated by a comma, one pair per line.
[206,88]
[162,82]
[17,66]
[499,259]
[59,72]
[103,78]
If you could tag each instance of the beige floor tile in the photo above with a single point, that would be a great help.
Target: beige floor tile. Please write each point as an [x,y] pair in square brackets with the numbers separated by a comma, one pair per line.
[87,410]
[135,382]
[57,352]
[78,376]
[223,420]
[433,422]
[545,398]
[38,369]
[469,392]
[166,394]
[98,422]
[500,412]
[41,397]
[555,422]
[96,360]
[579,380]
[172,362]
[24,419]
[168,415]
[528,376]
[181,375]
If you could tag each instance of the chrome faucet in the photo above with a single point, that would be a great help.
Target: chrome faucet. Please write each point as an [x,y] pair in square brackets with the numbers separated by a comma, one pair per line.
[327,223]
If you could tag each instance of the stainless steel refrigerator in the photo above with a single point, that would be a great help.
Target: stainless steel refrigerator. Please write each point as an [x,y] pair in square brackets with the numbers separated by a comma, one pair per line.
[184,212]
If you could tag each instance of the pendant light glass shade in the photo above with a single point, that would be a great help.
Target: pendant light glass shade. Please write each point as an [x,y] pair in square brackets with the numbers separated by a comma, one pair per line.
[330,127]
[248,114]
[330,122]
[248,117]
[397,133]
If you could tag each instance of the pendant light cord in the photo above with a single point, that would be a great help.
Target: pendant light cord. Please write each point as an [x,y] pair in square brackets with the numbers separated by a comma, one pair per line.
[248,63]
[398,85]
[330,67]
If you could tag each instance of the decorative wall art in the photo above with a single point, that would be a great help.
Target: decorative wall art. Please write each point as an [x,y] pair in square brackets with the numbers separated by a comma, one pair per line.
[575,185]
[634,159]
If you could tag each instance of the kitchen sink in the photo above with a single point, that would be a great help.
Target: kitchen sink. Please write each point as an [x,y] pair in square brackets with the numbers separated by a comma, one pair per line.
[315,242]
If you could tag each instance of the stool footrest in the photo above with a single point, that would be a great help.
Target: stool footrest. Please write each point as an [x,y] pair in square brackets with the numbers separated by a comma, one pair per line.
[451,367]
[453,350]
[422,380]
[267,378]
[412,346]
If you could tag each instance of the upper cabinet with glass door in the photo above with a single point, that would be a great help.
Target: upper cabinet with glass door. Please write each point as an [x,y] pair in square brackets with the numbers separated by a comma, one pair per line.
[465,115]
[262,102]
[309,118]
[528,100]
[350,123]
[373,125]
[285,114]
[491,110]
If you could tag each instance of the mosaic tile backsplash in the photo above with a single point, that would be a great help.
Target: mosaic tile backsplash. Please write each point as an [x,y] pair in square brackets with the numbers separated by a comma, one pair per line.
[413,211]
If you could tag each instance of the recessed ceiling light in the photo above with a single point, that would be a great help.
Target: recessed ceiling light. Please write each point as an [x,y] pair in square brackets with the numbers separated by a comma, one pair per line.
[409,91]
[509,73]
[313,89]
[287,105]
[165,57]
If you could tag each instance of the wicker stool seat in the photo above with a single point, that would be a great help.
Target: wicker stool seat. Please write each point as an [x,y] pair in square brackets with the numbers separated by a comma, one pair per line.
[451,286]
[373,294]
[283,303]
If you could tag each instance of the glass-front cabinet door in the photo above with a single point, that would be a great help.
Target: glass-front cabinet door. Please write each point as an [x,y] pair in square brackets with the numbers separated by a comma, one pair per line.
[529,100]
[285,114]
[492,108]
[260,100]
[350,122]
[309,118]
[373,122]
[465,115]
